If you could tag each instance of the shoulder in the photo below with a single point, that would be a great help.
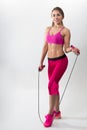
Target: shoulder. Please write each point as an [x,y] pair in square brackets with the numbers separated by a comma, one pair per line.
[66,30]
[47,29]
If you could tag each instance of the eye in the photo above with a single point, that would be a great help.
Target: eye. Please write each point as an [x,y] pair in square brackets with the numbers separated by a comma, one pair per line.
[54,15]
[58,14]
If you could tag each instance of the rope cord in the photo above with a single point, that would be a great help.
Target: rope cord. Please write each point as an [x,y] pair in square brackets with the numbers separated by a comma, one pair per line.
[68,79]
[39,97]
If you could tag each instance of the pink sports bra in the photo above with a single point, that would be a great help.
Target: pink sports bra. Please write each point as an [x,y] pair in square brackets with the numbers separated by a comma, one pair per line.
[55,38]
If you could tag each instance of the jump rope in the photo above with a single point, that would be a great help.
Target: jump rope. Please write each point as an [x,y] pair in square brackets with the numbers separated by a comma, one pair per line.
[64,88]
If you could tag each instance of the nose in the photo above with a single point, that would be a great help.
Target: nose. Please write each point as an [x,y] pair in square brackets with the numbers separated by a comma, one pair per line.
[56,16]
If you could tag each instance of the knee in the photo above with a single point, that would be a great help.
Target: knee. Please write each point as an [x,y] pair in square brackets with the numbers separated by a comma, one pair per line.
[53,89]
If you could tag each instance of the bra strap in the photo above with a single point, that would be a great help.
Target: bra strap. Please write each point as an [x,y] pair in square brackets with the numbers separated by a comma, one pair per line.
[61,29]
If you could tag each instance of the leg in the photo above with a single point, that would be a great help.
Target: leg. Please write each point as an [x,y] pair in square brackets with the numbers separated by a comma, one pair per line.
[50,116]
[55,72]
[56,106]
[53,103]
[54,92]
[52,99]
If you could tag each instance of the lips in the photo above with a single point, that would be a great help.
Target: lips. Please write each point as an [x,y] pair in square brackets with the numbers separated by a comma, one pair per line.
[56,20]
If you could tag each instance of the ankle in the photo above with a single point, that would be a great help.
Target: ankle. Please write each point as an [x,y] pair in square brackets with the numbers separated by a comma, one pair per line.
[57,110]
[50,112]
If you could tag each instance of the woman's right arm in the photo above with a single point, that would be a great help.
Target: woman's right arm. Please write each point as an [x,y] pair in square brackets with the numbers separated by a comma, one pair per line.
[44,49]
[44,52]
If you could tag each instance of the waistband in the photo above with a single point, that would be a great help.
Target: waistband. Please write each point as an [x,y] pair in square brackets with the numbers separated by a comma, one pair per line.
[57,58]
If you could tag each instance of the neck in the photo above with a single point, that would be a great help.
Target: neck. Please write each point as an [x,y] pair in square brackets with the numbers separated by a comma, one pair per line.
[58,25]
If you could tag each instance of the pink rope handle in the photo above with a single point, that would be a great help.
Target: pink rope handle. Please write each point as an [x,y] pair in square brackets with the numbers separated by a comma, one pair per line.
[73,47]
[41,68]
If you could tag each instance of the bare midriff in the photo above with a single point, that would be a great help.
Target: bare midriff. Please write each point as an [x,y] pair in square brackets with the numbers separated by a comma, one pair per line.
[55,50]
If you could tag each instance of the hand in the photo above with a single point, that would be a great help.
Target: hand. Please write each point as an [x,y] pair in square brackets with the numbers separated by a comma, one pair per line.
[41,67]
[75,50]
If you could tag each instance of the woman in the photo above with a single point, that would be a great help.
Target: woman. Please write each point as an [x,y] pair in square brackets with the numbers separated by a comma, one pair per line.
[56,44]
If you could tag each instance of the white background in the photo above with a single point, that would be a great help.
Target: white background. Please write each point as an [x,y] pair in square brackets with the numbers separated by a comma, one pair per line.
[22,27]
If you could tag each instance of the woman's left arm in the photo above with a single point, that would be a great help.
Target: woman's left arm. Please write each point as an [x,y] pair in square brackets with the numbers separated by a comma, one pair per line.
[67,47]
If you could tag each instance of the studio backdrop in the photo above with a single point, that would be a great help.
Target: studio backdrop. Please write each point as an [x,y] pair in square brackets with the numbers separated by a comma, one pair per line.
[22,28]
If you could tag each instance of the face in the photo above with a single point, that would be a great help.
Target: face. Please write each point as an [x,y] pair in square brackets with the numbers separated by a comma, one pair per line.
[57,17]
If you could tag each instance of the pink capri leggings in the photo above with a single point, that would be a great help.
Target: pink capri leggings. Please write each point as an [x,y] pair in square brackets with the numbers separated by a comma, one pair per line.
[56,69]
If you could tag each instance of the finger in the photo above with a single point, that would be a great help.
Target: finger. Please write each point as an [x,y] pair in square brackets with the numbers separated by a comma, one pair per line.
[41,67]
